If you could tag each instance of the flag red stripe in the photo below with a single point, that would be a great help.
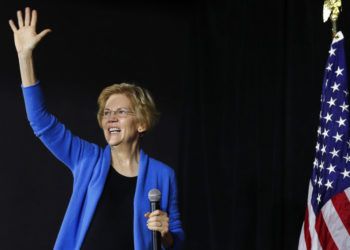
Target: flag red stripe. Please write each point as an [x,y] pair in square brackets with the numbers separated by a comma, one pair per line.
[342,206]
[307,235]
[324,236]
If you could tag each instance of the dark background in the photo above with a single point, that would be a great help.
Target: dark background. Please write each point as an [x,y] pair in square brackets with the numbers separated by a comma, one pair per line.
[237,83]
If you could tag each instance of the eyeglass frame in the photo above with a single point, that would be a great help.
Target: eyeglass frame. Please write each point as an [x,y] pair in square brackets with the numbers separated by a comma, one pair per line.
[118,112]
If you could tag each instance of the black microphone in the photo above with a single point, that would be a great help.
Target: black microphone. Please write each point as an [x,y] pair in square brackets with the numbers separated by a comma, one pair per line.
[154,196]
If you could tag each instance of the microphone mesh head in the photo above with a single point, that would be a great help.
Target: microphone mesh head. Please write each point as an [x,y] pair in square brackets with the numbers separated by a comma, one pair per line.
[154,195]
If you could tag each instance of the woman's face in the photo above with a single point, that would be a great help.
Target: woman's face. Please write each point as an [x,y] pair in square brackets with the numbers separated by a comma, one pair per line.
[119,123]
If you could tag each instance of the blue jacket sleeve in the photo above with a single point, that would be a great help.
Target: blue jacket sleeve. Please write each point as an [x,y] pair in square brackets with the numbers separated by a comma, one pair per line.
[56,137]
[175,222]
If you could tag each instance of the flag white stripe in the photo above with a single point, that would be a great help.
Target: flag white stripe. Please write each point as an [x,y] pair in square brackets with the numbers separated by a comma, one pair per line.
[347,192]
[315,243]
[302,243]
[335,226]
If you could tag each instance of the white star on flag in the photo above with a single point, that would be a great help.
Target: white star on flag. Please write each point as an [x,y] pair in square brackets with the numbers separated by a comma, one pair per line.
[331,102]
[325,133]
[337,137]
[344,107]
[332,52]
[341,122]
[339,71]
[319,198]
[334,153]
[331,168]
[328,117]
[317,147]
[335,87]
[345,173]
[329,67]
[347,158]
[329,184]
[319,130]
[321,167]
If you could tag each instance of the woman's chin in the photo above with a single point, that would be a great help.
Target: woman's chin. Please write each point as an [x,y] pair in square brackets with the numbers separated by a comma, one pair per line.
[114,143]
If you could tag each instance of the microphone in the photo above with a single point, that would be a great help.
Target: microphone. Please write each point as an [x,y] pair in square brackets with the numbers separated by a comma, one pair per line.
[154,196]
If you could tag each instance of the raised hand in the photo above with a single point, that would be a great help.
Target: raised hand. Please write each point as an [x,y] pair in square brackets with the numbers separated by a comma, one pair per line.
[25,35]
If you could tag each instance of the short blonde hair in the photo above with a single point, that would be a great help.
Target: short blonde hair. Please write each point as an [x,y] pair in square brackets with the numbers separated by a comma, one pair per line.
[141,100]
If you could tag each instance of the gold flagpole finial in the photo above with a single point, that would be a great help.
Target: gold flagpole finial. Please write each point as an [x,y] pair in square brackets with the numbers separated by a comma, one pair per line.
[331,8]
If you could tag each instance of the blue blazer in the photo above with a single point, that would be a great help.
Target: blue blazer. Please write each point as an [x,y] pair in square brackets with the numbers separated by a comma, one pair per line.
[89,165]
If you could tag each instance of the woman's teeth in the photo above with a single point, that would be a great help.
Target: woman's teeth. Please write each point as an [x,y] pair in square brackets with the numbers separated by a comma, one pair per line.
[114,130]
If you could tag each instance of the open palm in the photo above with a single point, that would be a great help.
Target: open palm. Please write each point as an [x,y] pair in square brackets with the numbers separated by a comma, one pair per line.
[25,35]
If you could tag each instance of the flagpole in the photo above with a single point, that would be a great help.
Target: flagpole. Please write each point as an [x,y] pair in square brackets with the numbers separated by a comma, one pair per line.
[331,8]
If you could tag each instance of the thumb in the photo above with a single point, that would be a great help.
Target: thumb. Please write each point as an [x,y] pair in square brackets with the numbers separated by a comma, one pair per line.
[43,33]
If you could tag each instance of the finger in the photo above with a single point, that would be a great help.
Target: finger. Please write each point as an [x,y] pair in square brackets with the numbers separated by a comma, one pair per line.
[153,219]
[13,26]
[20,19]
[27,17]
[155,213]
[147,214]
[155,224]
[43,33]
[34,18]
[162,229]
[154,228]
[158,213]
[161,219]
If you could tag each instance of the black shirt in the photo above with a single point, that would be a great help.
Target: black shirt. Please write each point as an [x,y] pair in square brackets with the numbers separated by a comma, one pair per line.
[112,224]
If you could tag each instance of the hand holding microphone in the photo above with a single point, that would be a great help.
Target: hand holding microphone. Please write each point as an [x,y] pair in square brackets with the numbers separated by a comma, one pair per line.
[158,221]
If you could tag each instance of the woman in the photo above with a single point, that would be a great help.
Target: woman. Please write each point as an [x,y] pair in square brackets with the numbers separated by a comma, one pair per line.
[99,214]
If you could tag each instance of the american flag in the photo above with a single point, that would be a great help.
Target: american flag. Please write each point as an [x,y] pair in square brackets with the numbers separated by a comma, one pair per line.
[327,217]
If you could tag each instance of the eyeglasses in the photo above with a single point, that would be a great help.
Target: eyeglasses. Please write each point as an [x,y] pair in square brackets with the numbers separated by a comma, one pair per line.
[120,113]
